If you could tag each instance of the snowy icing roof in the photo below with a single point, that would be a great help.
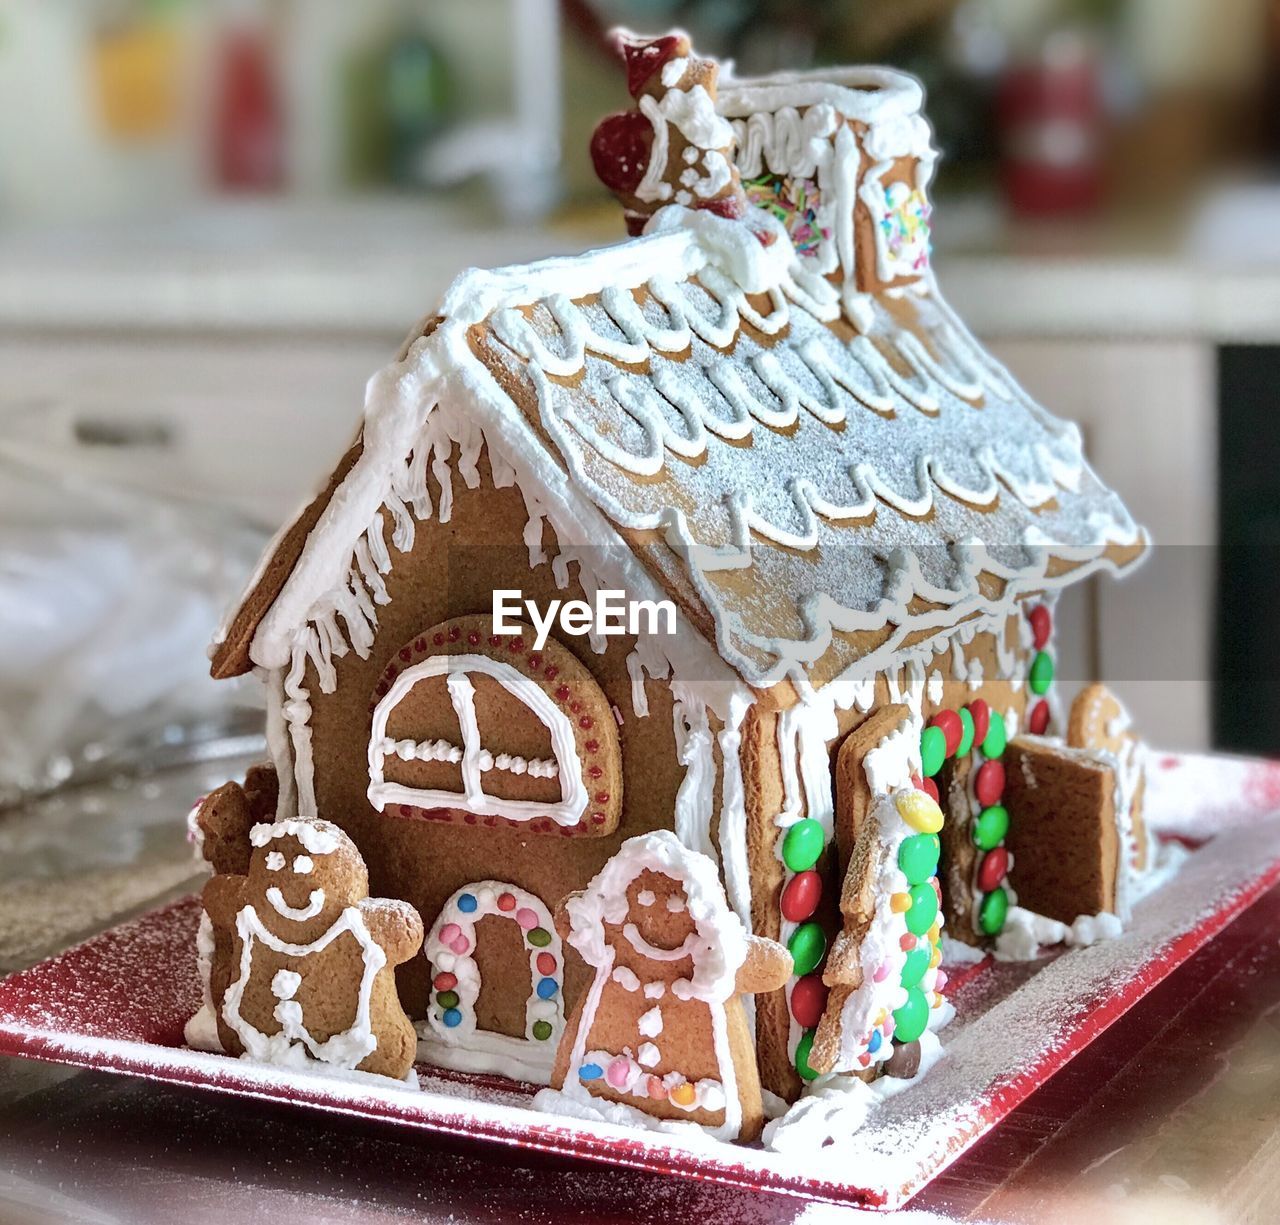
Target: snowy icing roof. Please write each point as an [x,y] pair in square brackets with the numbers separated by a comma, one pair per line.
[814,490]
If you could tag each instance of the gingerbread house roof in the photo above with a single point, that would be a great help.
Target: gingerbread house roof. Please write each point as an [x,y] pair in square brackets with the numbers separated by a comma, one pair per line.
[816,485]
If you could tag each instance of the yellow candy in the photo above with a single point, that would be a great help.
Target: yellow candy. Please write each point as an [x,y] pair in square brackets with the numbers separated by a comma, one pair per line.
[935,957]
[919,812]
[683,1095]
[881,1017]
[935,933]
[899,903]
[937,999]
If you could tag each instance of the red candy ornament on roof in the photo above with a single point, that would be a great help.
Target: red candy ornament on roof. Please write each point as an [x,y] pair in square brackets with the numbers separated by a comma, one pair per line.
[672,148]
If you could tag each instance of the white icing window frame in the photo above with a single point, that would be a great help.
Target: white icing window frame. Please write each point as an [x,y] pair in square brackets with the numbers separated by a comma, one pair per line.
[568,811]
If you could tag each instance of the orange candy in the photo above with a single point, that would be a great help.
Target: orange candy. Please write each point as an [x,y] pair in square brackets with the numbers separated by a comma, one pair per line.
[684,1095]
[900,903]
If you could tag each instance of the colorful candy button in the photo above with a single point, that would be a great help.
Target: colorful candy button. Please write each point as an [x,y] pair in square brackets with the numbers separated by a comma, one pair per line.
[507,901]
[918,857]
[924,909]
[916,966]
[547,987]
[807,945]
[452,1018]
[930,787]
[951,727]
[802,845]
[447,999]
[808,1000]
[527,918]
[993,869]
[588,1071]
[803,1047]
[800,897]
[546,963]
[991,826]
[467,903]
[993,743]
[933,750]
[980,713]
[1038,719]
[994,910]
[542,1030]
[966,732]
[911,1020]
[539,937]
[1041,673]
[919,811]
[1041,625]
[444,981]
[684,1094]
[875,1042]
[988,783]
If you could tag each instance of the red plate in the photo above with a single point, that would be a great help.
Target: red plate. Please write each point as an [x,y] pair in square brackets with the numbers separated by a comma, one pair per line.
[119,1001]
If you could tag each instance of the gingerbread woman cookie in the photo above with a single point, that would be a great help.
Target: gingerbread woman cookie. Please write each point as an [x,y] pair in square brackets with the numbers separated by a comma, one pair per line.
[309,967]
[660,1036]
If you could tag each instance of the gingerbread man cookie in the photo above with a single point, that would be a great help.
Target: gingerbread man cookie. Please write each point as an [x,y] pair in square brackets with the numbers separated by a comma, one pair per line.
[660,1037]
[673,148]
[309,967]
[1099,722]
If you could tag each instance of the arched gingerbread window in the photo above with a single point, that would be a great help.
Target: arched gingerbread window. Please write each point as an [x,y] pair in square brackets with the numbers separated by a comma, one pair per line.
[480,727]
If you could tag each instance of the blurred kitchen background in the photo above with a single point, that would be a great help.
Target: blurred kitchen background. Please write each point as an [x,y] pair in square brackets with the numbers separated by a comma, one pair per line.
[217,219]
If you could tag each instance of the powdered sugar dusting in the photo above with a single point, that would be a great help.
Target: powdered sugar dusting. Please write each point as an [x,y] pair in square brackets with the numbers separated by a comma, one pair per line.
[120,1002]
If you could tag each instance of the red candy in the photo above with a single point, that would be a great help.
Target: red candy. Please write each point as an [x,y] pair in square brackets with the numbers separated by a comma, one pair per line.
[951,727]
[1041,625]
[1038,719]
[995,867]
[445,982]
[988,785]
[506,901]
[546,964]
[800,897]
[620,150]
[808,1000]
[930,788]
[981,713]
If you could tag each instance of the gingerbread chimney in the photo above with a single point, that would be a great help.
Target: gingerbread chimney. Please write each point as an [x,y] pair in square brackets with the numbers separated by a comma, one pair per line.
[672,147]
[842,157]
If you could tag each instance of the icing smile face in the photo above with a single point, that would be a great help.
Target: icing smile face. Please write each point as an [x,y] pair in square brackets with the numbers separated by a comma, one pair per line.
[658,925]
[297,885]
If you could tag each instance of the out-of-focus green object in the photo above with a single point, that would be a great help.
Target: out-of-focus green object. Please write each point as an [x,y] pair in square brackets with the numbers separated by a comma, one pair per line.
[398,98]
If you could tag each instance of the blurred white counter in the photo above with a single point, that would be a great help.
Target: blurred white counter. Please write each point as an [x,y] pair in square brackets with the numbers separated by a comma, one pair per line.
[373,267]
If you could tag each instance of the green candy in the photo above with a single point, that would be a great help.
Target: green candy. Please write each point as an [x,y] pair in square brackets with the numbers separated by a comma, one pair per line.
[924,909]
[807,945]
[916,965]
[911,1020]
[539,937]
[995,908]
[803,1047]
[542,1030]
[918,857]
[802,845]
[1041,673]
[991,826]
[997,737]
[966,733]
[933,750]
[447,999]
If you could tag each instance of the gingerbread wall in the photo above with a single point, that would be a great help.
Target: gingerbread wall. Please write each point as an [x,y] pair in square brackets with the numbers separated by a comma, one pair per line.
[451,571]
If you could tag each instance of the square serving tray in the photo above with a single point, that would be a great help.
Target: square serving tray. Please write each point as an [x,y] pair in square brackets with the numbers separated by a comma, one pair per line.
[119,1001]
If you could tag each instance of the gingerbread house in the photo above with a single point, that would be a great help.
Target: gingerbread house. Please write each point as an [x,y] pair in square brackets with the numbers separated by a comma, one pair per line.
[761,410]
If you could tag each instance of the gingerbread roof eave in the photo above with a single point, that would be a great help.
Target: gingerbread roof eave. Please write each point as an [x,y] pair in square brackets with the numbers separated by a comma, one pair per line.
[825,492]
